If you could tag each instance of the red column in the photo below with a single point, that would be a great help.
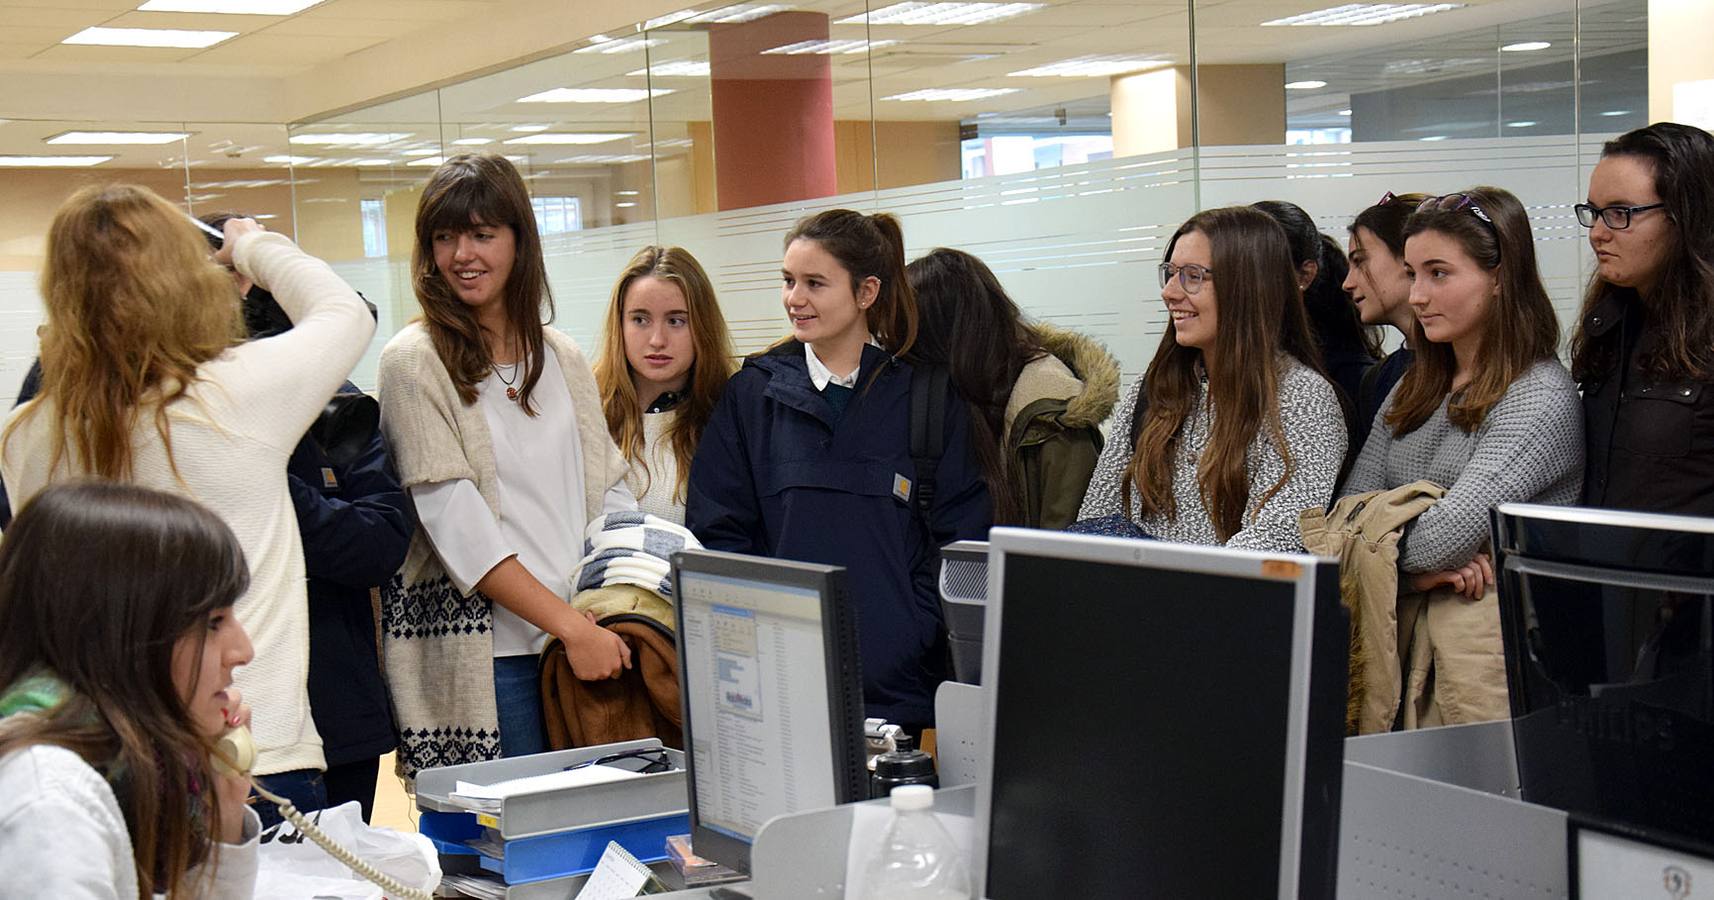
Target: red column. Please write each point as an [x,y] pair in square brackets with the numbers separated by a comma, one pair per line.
[773,113]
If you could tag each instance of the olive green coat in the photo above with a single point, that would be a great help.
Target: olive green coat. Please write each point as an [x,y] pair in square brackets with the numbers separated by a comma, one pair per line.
[1053,419]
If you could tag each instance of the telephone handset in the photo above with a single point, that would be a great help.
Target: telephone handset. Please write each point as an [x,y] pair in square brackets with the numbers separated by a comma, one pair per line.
[235,755]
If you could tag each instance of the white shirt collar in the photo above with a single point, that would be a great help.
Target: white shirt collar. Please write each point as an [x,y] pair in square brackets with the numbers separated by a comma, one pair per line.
[821,376]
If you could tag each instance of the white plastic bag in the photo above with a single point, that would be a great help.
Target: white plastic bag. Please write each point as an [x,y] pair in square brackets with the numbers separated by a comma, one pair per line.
[292,867]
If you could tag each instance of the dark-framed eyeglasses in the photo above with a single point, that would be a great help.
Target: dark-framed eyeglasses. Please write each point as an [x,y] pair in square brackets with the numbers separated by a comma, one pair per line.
[1190,276]
[648,760]
[1617,218]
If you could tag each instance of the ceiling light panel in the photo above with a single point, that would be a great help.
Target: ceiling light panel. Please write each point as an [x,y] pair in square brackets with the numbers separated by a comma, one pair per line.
[595,95]
[603,159]
[349,139]
[828,47]
[1526,46]
[1365,14]
[678,68]
[232,7]
[472,142]
[149,37]
[743,12]
[570,137]
[915,13]
[1305,85]
[427,161]
[629,45]
[289,160]
[51,161]
[118,137]
[1091,66]
[952,95]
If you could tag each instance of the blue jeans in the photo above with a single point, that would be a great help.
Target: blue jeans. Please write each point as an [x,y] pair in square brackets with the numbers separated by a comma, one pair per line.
[518,697]
[304,787]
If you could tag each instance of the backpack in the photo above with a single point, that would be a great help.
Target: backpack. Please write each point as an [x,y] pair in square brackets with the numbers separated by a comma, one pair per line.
[929,386]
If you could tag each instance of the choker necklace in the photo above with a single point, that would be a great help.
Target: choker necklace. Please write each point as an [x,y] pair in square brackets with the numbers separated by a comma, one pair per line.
[511,392]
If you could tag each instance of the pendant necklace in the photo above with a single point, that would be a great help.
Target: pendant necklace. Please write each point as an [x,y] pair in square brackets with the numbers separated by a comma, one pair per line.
[511,392]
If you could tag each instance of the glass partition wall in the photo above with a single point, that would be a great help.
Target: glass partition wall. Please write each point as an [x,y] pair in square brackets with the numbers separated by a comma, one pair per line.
[1061,140]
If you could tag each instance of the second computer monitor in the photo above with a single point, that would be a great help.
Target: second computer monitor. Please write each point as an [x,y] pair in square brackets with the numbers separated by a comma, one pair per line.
[772,695]
[1167,721]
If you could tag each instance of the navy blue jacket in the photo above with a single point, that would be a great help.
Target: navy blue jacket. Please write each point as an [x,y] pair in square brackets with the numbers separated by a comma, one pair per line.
[777,474]
[356,525]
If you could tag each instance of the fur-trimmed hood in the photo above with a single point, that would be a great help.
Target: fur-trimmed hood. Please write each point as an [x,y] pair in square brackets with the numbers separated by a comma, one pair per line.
[1077,370]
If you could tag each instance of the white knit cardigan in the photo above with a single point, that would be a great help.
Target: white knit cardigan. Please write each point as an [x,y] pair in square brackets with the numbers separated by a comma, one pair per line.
[437,643]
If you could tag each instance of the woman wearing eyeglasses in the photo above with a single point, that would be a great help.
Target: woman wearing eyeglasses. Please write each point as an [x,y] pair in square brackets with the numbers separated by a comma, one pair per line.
[1644,347]
[1486,411]
[1239,428]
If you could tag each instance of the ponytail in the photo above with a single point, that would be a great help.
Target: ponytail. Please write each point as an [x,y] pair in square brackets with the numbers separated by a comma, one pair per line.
[869,246]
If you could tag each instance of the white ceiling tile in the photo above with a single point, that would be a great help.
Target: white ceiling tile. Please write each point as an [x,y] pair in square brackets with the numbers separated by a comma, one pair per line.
[286,49]
[91,54]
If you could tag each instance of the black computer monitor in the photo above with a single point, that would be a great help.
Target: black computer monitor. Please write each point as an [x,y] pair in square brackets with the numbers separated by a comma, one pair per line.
[1610,662]
[772,695]
[1166,721]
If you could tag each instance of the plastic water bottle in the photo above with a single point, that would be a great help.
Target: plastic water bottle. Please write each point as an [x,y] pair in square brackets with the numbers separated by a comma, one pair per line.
[917,859]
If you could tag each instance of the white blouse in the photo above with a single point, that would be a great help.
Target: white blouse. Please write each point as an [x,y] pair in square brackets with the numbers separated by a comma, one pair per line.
[539,462]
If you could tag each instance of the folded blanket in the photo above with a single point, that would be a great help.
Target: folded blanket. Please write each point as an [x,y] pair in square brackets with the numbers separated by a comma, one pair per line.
[631,548]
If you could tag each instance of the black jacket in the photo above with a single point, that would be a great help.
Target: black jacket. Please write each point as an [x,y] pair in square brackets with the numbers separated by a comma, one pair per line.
[1650,444]
[778,474]
[356,525]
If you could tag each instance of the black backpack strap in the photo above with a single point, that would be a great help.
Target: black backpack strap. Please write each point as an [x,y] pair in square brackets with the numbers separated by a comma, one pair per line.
[928,434]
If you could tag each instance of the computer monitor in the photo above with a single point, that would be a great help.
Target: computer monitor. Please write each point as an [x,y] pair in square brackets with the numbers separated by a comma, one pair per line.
[1610,662]
[1166,720]
[963,601]
[772,695]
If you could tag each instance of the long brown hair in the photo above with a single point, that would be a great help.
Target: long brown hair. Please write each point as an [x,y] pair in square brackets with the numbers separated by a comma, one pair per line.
[1681,311]
[1260,317]
[713,365]
[468,190]
[869,246]
[164,564]
[1521,329]
[134,307]
[963,304]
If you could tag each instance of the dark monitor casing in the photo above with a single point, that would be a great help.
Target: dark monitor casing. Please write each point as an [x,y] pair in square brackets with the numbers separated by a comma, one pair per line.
[844,682]
[1076,820]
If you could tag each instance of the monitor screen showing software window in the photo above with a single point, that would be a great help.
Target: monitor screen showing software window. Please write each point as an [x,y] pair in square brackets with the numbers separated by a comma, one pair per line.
[756,672]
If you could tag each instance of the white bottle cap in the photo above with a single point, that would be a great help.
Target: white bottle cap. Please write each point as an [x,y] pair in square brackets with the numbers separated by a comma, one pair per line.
[908,797]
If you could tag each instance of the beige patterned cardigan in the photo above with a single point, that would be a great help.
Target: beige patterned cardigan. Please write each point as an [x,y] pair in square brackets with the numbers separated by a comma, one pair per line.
[437,644]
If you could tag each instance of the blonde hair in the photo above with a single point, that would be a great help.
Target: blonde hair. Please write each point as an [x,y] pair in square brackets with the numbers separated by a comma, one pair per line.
[134,307]
[710,369]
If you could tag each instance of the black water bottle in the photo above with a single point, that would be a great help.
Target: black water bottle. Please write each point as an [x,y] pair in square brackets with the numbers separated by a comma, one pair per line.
[905,765]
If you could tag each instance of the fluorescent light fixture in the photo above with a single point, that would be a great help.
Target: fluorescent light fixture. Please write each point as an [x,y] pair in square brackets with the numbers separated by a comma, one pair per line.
[625,205]
[915,13]
[1525,46]
[350,139]
[1433,137]
[365,162]
[427,161]
[1092,66]
[668,19]
[678,68]
[952,95]
[289,160]
[627,193]
[1310,85]
[743,12]
[571,137]
[1524,124]
[51,161]
[1344,112]
[595,95]
[828,47]
[1617,112]
[426,151]
[149,37]
[1364,14]
[629,45]
[472,142]
[234,7]
[262,217]
[530,129]
[118,137]
[603,158]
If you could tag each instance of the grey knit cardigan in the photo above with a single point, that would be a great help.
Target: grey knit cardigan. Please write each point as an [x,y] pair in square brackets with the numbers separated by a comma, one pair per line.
[437,643]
